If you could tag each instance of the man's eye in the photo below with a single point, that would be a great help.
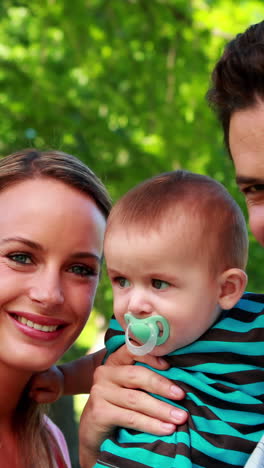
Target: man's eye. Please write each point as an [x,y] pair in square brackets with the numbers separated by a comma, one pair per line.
[122,282]
[253,188]
[22,258]
[82,270]
[159,284]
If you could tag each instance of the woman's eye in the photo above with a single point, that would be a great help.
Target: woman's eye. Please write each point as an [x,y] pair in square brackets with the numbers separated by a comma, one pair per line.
[22,258]
[122,282]
[82,270]
[159,284]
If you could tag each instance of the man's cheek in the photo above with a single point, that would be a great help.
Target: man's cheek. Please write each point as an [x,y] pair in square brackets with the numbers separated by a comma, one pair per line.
[256,223]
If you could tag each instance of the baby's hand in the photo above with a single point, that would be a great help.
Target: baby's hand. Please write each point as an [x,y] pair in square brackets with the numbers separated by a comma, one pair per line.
[47,386]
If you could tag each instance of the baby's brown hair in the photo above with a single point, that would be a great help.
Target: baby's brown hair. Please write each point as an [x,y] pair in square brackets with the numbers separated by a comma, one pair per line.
[219,225]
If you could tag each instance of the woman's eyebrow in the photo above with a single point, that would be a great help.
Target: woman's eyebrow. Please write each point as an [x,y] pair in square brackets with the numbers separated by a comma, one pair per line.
[87,255]
[36,245]
[23,240]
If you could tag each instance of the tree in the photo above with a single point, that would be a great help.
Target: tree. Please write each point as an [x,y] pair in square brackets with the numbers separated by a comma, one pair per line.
[120,84]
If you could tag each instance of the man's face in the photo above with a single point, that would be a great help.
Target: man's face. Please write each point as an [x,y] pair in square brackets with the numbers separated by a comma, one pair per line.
[246,137]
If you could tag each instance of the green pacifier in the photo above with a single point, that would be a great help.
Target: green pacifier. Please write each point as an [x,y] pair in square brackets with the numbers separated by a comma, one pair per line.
[152,331]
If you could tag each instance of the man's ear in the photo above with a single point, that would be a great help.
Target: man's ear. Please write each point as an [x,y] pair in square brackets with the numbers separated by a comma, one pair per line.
[232,284]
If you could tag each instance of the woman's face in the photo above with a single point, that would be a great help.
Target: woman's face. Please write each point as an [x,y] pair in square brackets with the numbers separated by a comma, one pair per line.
[51,239]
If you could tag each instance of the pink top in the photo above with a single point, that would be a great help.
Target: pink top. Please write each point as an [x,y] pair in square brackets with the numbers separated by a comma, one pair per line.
[59,437]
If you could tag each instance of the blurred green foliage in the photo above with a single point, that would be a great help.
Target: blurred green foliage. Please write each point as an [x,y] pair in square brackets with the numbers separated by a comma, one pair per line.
[120,84]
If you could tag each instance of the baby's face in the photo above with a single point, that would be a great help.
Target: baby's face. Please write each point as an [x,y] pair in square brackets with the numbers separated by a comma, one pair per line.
[156,273]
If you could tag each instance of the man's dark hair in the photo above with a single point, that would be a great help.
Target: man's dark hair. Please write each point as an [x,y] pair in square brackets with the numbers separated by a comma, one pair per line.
[238,77]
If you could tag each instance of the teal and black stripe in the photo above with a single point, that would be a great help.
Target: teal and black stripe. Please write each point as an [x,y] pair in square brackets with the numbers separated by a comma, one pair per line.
[222,375]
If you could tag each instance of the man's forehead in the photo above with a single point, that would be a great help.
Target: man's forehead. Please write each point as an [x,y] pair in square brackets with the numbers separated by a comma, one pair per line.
[248,166]
[246,141]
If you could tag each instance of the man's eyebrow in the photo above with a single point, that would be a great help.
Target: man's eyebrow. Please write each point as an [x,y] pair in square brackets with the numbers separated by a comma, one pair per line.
[240,180]
[23,240]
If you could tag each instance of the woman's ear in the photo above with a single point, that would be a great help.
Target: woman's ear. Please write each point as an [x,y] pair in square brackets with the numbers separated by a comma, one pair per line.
[232,284]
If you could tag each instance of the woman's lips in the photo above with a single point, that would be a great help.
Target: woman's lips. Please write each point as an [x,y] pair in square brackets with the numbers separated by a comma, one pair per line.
[37,318]
[38,326]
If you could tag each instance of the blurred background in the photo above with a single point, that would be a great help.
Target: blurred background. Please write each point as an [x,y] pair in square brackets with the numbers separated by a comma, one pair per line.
[121,84]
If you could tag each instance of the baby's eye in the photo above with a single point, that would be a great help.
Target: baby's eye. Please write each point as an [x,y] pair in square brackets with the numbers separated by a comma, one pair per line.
[122,282]
[82,270]
[20,257]
[159,284]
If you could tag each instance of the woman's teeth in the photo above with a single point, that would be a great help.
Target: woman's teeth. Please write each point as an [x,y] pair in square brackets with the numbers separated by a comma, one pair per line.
[37,326]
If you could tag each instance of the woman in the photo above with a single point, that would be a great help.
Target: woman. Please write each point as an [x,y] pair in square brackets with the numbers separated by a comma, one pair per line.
[49,270]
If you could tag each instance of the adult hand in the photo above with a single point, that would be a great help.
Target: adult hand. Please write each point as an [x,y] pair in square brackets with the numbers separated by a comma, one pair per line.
[116,401]
[47,386]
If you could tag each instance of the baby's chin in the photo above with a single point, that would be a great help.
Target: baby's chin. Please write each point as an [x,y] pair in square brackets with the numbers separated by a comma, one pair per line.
[158,352]
[164,349]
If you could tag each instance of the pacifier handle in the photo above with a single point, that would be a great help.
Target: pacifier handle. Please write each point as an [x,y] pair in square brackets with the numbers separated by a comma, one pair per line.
[146,347]
[147,331]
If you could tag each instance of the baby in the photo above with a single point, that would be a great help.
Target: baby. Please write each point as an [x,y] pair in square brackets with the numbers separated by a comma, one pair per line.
[176,250]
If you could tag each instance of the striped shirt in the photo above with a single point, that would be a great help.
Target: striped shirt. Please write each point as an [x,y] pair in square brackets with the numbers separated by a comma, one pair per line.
[222,375]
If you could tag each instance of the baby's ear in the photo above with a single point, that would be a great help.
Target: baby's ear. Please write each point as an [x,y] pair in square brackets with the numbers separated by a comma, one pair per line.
[233,283]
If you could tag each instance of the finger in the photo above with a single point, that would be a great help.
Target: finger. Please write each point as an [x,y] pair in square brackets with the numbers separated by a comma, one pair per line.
[138,421]
[139,403]
[120,357]
[42,396]
[41,380]
[123,357]
[153,361]
[139,377]
[108,416]
[46,380]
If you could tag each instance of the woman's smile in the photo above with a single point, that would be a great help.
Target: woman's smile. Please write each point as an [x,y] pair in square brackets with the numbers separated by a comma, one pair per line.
[37,326]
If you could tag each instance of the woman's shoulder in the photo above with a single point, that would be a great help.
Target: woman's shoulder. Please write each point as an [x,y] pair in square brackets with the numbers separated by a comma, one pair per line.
[60,439]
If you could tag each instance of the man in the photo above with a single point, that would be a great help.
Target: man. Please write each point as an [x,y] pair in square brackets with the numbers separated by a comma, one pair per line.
[237,95]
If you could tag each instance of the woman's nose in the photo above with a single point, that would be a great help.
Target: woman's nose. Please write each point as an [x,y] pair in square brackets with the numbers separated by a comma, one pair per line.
[47,289]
